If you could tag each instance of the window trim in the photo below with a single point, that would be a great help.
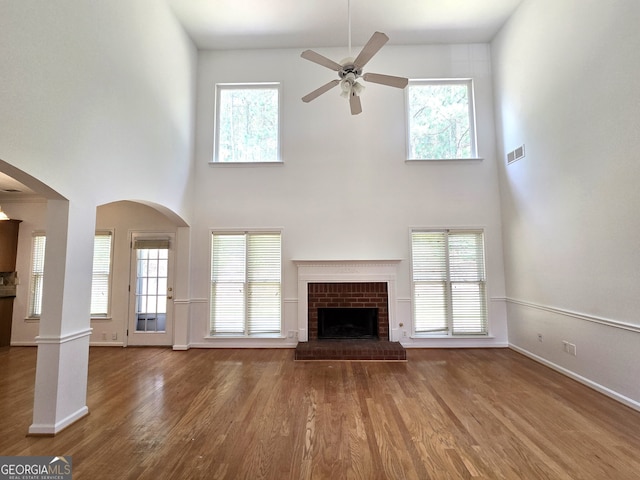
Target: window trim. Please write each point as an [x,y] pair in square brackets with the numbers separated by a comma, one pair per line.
[246,334]
[472,117]
[449,333]
[219,87]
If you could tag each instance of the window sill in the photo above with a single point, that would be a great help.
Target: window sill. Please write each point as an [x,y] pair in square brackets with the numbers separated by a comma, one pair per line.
[275,336]
[37,319]
[450,337]
[246,164]
[428,160]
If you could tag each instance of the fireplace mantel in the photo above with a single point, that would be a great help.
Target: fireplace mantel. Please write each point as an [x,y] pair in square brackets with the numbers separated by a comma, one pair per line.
[345,271]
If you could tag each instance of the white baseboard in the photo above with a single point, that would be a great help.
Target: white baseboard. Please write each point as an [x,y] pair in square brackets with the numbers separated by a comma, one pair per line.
[579,378]
[24,344]
[106,344]
[47,429]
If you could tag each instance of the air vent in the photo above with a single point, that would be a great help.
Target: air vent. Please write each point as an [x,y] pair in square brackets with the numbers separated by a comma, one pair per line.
[10,190]
[516,154]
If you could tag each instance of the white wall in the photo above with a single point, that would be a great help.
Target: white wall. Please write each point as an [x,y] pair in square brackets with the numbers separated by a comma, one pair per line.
[345,190]
[97,99]
[566,87]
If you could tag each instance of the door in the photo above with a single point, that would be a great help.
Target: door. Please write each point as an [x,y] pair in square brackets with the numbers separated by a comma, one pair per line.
[151,290]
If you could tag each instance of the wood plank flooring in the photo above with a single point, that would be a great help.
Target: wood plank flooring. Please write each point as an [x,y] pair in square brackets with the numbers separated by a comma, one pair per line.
[257,414]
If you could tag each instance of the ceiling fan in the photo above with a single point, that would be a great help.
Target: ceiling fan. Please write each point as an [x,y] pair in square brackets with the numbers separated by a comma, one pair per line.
[350,70]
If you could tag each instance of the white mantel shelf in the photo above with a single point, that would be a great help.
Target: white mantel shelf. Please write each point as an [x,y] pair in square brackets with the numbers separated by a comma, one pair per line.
[339,271]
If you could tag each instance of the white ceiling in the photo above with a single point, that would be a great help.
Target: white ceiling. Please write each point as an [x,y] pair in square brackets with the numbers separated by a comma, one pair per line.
[11,188]
[238,24]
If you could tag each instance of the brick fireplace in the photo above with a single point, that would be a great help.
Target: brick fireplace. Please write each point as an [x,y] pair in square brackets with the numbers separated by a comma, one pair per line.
[357,285]
[348,295]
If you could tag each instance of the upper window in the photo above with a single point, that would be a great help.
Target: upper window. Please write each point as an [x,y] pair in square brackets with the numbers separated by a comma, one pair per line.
[441,118]
[449,284]
[247,123]
[246,271]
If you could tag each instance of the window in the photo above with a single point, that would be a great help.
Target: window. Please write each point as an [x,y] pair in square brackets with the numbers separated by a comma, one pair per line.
[448,281]
[246,270]
[100,281]
[101,275]
[441,123]
[247,123]
[37,275]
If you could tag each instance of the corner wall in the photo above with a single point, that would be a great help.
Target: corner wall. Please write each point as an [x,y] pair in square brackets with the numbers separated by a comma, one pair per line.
[565,83]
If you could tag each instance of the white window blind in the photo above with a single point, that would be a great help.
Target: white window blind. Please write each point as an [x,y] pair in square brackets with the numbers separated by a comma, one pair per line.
[448,277]
[37,275]
[246,272]
[101,275]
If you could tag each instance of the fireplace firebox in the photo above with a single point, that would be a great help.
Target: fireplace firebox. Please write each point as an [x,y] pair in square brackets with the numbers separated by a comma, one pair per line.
[347,323]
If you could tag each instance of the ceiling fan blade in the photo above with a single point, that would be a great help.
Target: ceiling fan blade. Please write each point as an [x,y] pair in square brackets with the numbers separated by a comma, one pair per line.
[390,80]
[319,91]
[321,60]
[375,43]
[354,103]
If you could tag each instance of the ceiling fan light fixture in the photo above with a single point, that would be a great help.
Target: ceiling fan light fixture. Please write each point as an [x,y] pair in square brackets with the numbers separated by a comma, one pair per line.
[349,86]
[350,70]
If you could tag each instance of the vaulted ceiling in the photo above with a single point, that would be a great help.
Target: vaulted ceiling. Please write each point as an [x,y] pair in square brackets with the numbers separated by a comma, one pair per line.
[242,24]
[232,24]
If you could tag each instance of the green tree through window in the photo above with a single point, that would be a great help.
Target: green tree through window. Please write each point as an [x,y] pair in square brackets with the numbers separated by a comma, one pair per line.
[247,123]
[441,120]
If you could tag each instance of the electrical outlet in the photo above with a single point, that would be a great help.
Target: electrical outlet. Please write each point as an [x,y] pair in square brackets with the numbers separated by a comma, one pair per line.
[539,337]
[569,348]
[114,336]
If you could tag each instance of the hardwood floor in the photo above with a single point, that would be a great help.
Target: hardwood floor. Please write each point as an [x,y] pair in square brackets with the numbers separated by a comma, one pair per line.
[257,414]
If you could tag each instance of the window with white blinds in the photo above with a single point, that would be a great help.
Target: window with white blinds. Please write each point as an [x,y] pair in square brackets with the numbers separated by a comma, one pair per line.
[37,274]
[101,279]
[101,274]
[449,283]
[246,272]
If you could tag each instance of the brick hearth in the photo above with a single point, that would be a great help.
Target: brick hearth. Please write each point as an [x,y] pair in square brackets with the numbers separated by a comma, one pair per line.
[374,350]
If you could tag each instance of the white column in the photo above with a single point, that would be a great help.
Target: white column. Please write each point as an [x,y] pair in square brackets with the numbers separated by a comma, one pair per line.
[63,342]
